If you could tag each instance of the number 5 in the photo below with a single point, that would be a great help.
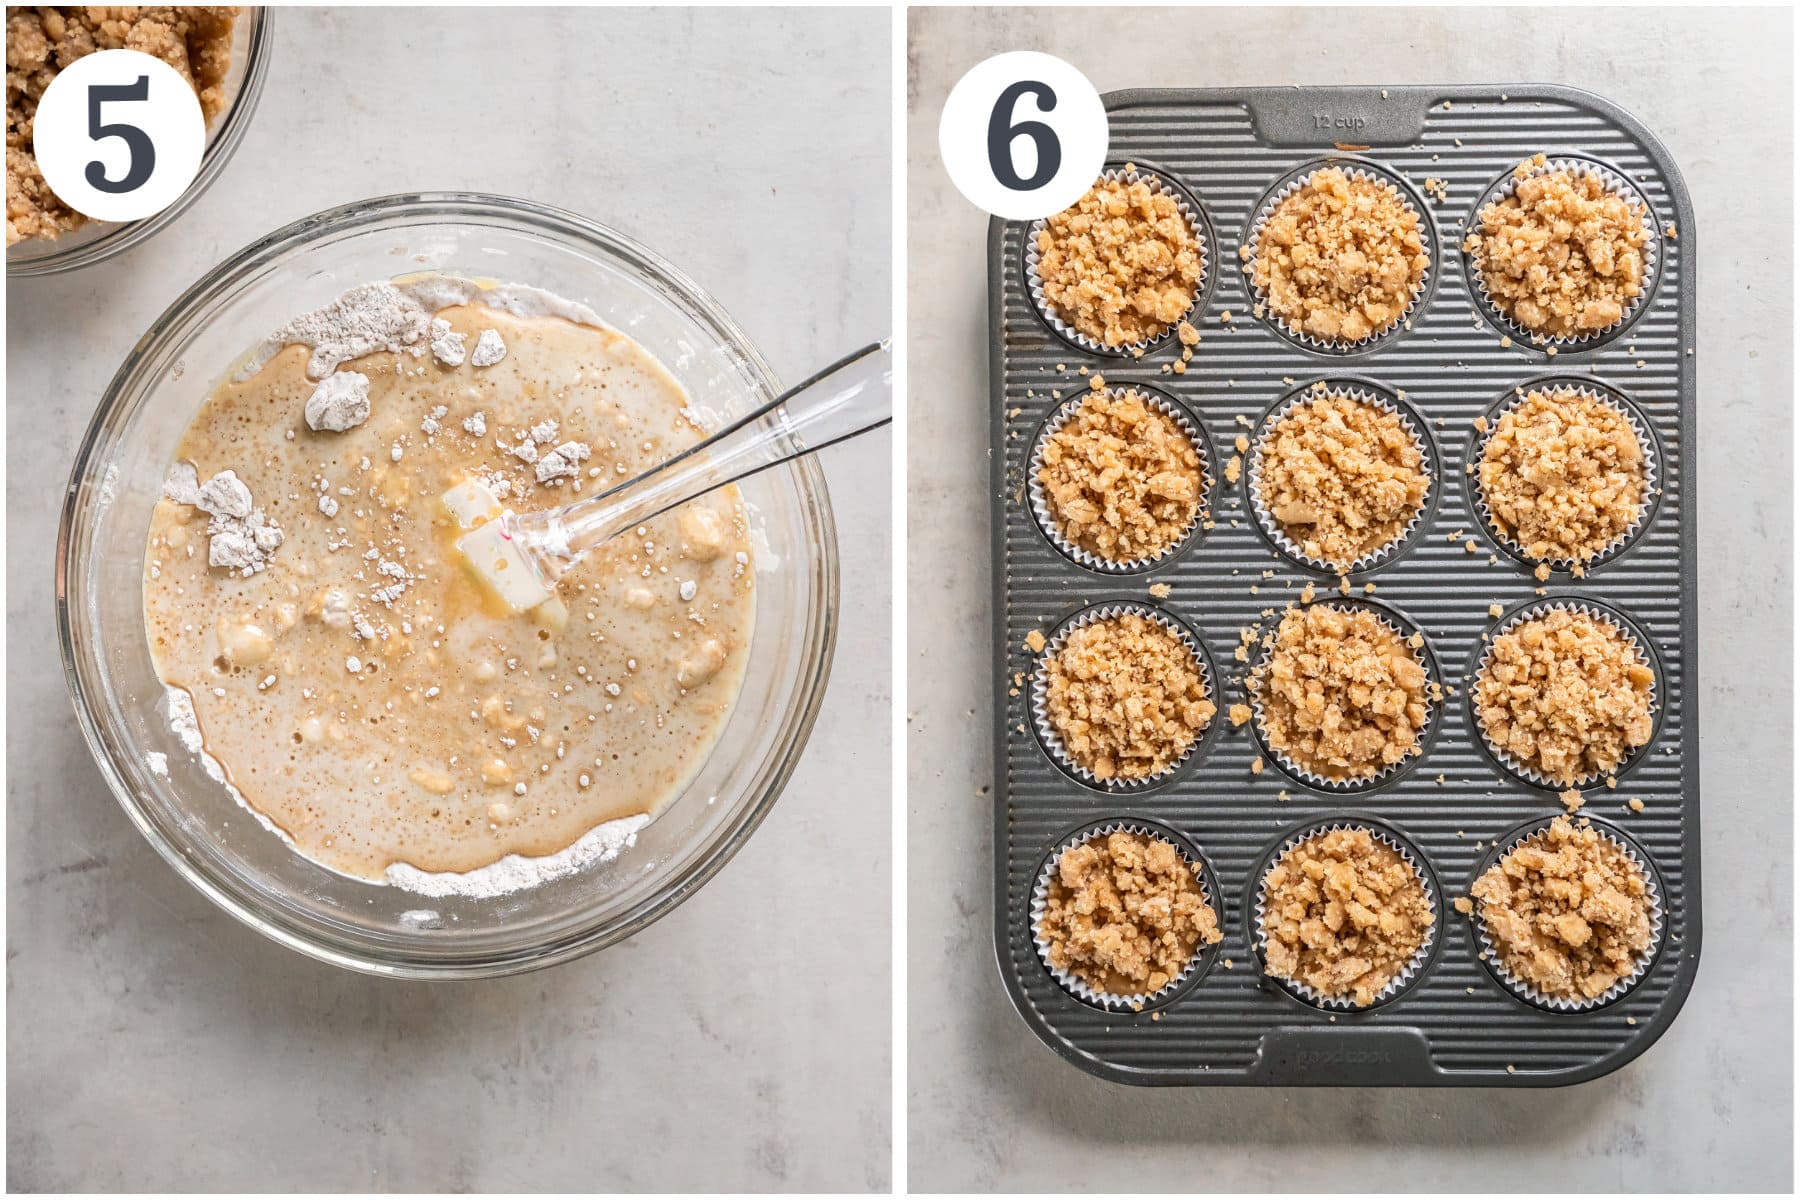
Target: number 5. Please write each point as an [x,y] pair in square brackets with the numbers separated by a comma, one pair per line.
[143,151]
[1001,134]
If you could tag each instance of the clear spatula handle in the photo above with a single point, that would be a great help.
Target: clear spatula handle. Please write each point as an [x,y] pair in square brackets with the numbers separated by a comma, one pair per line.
[852,396]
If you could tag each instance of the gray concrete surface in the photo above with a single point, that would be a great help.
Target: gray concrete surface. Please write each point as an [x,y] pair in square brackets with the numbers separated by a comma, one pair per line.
[1710,1106]
[742,1043]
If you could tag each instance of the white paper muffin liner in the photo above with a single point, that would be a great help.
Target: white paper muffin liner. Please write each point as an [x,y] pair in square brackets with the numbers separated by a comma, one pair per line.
[1074,984]
[1614,182]
[1273,528]
[1129,173]
[1543,608]
[1321,782]
[1646,447]
[1052,741]
[1052,527]
[1253,240]
[1407,973]
[1524,991]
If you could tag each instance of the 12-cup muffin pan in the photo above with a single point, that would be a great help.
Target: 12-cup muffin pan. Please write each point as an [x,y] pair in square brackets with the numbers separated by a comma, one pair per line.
[1456,1022]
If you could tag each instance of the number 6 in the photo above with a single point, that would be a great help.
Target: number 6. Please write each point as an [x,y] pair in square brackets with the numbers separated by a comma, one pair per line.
[1001,134]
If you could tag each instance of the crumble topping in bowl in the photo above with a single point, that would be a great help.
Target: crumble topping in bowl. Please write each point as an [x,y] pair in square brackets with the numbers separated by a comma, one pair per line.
[1342,695]
[1341,258]
[1562,255]
[1563,475]
[1566,695]
[1341,477]
[1121,479]
[1125,696]
[41,41]
[1343,913]
[1568,911]
[1125,914]
[1122,265]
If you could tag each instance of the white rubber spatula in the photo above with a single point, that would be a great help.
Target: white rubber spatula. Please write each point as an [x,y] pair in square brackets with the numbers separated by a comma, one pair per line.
[520,556]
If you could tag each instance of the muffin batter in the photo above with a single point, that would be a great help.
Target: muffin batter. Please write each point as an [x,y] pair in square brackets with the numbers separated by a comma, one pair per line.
[360,689]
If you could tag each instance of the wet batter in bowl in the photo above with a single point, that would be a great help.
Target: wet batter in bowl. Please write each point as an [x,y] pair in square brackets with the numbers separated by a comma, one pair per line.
[358,688]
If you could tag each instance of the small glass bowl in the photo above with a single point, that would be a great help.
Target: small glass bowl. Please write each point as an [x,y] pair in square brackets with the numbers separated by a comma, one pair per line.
[196,824]
[98,240]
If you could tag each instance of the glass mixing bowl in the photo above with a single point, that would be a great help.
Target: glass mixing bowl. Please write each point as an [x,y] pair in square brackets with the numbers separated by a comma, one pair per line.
[99,240]
[195,823]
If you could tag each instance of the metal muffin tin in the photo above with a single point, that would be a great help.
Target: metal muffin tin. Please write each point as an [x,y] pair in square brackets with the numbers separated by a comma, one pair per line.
[1457,1024]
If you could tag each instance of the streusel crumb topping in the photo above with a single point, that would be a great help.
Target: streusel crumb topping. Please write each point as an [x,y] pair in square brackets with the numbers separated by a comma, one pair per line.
[1122,265]
[1341,258]
[1566,694]
[1126,697]
[1568,911]
[1564,475]
[1122,479]
[1342,477]
[1125,914]
[1343,695]
[1343,914]
[41,41]
[1562,255]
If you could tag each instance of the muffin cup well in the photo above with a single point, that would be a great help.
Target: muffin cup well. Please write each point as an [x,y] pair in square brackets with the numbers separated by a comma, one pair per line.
[1490,952]
[1606,616]
[1292,183]
[1204,953]
[1614,181]
[1052,742]
[1405,629]
[1047,519]
[1414,967]
[1365,394]
[1601,394]
[1202,229]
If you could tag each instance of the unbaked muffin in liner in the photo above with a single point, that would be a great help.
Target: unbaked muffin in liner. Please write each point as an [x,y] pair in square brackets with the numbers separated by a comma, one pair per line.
[1507,624]
[1190,208]
[1046,516]
[1304,775]
[1362,394]
[1052,741]
[1407,973]
[1615,182]
[1490,952]
[1356,169]
[1600,394]
[1203,955]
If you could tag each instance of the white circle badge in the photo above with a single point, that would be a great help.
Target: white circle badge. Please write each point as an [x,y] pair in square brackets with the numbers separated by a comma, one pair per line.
[119,135]
[1023,135]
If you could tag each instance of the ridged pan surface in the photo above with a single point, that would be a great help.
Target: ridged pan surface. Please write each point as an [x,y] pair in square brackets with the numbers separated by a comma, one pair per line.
[1457,1025]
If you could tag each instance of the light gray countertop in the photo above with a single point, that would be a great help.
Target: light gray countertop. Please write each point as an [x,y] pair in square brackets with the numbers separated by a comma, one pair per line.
[153,1043]
[1710,1106]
